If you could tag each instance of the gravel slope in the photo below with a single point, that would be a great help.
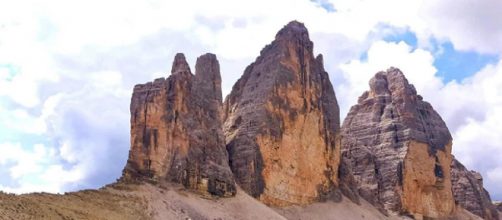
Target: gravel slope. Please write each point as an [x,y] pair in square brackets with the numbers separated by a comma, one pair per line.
[146,201]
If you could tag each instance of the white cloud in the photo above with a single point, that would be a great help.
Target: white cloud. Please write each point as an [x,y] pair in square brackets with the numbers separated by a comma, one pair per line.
[35,169]
[469,25]
[495,176]
[416,64]
[477,144]
[85,134]
[472,109]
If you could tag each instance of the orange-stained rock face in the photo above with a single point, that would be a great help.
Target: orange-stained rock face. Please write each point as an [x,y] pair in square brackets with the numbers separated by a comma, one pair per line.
[424,192]
[399,149]
[176,132]
[282,124]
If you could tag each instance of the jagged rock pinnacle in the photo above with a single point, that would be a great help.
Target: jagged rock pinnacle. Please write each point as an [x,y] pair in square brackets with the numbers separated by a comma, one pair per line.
[176,130]
[180,64]
[207,71]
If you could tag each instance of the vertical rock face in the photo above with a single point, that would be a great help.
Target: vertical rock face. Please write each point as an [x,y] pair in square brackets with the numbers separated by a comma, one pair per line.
[399,149]
[469,193]
[282,123]
[176,130]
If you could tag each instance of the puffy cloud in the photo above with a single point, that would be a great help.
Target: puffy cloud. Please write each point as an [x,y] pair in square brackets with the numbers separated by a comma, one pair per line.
[467,24]
[472,109]
[473,26]
[416,64]
[35,169]
[85,138]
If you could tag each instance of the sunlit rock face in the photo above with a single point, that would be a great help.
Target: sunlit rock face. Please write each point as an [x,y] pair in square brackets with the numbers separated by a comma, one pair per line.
[399,149]
[176,129]
[282,124]
[469,193]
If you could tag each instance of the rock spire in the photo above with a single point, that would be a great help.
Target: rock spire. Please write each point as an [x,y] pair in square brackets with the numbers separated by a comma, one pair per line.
[176,129]
[282,124]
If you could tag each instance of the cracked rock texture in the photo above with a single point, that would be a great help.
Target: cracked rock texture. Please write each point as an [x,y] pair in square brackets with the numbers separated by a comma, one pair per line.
[399,149]
[176,129]
[282,124]
[469,193]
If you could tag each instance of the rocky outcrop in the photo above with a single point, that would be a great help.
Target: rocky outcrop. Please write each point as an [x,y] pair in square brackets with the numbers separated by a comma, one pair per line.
[469,193]
[176,129]
[282,124]
[399,149]
[498,205]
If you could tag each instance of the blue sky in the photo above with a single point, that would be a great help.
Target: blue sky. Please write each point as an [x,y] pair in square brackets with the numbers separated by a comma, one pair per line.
[66,77]
[457,65]
[451,64]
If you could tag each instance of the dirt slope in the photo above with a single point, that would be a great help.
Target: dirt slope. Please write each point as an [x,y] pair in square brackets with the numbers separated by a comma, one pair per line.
[107,203]
[146,201]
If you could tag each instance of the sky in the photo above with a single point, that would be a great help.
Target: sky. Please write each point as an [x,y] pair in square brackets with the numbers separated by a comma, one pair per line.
[67,69]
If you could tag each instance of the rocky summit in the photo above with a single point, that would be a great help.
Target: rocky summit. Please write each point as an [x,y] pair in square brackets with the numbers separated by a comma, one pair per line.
[282,123]
[399,149]
[274,149]
[176,130]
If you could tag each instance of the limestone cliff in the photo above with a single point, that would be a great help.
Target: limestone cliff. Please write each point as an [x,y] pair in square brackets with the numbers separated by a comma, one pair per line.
[282,123]
[176,129]
[469,193]
[399,149]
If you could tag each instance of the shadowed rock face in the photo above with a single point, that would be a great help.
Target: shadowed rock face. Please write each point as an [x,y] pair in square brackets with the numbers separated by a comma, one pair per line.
[399,149]
[176,130]
[282,123]
[469,193]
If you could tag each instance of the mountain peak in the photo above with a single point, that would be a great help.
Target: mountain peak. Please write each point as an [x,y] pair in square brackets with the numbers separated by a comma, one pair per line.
[390,81]
[176,131]
[180,64]
[280,96]
[395,130]
[293,30]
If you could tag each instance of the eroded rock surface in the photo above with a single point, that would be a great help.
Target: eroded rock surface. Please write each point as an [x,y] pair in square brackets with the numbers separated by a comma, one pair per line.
[176,129]
[399,149]
[469,193]
[282,124]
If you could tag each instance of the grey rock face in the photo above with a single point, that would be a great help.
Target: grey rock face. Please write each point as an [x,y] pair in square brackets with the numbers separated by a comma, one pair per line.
[347,182]
[282,122]
[398,148]
[469,193]
[176,129]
